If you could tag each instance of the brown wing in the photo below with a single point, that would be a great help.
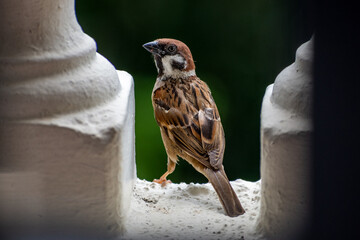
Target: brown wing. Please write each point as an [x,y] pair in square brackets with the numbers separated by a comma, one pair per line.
[212,136]
[189,117]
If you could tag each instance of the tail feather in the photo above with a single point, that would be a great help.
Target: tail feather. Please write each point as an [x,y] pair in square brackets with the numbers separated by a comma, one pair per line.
[226,193]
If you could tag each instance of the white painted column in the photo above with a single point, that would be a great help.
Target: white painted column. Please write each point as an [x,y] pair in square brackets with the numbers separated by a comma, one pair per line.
[66,126]
[286,129]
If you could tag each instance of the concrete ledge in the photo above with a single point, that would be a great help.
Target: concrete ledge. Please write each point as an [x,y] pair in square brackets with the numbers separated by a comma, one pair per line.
[190,211]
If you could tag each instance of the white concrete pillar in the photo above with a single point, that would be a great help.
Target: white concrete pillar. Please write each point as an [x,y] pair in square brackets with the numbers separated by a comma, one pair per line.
[286,129]
[66,126]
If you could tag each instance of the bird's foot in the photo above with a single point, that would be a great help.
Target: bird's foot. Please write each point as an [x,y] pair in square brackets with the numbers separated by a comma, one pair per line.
[163,182]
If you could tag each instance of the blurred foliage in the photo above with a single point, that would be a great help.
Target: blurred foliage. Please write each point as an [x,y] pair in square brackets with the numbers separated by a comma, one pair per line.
[239,48]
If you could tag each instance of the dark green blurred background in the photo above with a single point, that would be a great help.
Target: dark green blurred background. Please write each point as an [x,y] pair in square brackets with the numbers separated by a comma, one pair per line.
[239,47]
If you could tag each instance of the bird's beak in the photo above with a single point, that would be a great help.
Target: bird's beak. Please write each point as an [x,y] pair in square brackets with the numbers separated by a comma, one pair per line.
[153,47]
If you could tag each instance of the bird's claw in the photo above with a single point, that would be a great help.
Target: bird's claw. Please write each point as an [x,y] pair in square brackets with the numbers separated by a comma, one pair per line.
[163,182]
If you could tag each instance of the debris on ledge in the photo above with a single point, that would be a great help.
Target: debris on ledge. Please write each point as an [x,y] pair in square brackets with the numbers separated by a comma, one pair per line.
[190,211]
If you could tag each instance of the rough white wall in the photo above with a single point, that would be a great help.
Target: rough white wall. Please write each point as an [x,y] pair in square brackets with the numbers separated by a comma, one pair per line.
[286,129]
[66,125]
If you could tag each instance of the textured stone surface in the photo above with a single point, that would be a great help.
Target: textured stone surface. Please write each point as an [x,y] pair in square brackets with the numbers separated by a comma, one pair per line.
[293,87]
[190,211]
[67,160]
[48,65]
[286,129]
[71,173]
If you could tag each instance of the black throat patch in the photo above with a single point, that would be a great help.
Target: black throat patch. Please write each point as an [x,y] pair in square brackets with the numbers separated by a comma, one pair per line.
[159,65]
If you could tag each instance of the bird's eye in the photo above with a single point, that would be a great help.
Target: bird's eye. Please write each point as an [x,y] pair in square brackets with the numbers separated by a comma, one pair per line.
[171,48]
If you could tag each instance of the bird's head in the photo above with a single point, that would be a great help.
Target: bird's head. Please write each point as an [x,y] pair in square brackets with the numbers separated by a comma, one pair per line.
[172,58]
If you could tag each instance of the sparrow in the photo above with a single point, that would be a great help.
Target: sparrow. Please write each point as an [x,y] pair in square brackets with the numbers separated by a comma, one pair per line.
[189,120]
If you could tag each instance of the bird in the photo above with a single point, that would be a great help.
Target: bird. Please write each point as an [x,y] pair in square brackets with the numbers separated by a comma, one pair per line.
[189,120]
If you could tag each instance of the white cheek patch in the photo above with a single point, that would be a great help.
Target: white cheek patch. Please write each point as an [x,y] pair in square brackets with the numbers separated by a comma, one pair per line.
[167,60]
[168,69]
